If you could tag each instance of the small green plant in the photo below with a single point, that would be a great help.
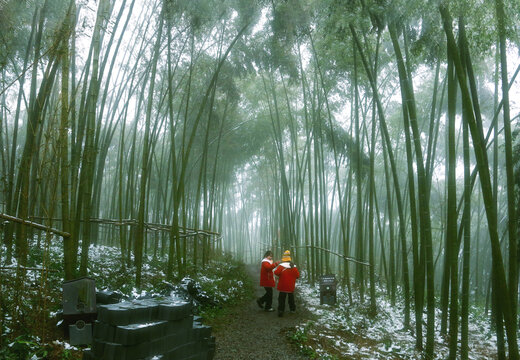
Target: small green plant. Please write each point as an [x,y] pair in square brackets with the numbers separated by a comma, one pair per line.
[329,357]
[66,355]
[387,341]
[23,347]
[300,338]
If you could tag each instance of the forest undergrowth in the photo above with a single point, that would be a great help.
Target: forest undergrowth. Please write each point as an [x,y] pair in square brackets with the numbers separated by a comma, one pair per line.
[345,331]
[222,284]
[350,331]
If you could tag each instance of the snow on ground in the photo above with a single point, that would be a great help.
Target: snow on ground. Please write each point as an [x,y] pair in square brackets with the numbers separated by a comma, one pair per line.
[342,331]
[347,331]
[213,286]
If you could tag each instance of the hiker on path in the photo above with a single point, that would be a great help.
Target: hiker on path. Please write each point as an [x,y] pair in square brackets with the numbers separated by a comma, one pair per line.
[267,281]
[287,274]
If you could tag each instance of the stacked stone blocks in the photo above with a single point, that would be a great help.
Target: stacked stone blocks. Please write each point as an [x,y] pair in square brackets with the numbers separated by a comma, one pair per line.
[150,329]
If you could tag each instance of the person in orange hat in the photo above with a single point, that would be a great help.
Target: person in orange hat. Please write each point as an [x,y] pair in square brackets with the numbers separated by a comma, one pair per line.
[267,281]
[287,274]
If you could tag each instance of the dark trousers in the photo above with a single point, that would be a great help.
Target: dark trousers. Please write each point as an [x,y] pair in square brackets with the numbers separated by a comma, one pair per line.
[267,298]
[281,301]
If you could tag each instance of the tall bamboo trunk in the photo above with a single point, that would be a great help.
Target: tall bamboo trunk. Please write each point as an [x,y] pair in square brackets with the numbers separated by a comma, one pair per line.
[139,234]
[502,291]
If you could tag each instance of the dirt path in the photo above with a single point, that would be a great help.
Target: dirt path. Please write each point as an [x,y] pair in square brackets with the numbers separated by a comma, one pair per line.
[251,333]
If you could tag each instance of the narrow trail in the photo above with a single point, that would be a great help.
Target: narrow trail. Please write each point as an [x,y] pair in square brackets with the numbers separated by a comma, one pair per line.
[251,333]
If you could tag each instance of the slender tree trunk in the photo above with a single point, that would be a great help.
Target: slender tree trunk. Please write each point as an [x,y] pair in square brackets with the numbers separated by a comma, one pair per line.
[89,155]
[424,197]
[511,204]
[68,254]
[11,202]
[503,294]
[451,221]
[466,218]
[139,234]
[359,187]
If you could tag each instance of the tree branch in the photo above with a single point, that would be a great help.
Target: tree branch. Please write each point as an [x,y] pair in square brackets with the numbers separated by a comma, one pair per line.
[35,225]
[346,258]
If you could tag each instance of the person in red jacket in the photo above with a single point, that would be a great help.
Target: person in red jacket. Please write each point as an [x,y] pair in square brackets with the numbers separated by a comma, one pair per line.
[287,274]
[267,281]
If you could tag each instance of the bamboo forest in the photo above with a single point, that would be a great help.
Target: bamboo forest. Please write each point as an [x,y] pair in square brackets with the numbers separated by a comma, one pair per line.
[156,156]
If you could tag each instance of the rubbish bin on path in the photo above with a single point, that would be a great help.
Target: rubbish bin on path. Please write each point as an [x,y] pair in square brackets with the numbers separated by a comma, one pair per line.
[328,289]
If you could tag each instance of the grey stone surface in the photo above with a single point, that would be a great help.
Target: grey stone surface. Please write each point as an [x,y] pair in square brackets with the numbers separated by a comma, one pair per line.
[182,351]
[201,332]
[113,314]
[174,311]
[108,297]
[185,324]
[88,355]
[79,296]
[139,332]
[98,346]
[80,333]
[113,351]
[103,331]
[150,329]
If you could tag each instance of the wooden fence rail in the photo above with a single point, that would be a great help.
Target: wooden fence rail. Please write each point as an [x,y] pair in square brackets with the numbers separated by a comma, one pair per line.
[34,225]
[186,232]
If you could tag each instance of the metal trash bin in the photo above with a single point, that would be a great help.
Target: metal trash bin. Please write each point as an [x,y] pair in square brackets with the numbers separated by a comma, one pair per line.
[328,289]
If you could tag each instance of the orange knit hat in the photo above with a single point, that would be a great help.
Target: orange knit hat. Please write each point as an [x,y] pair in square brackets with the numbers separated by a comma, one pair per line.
[286,256]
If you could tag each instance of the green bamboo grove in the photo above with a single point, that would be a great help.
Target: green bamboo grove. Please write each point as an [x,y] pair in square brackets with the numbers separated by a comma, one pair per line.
[377,140]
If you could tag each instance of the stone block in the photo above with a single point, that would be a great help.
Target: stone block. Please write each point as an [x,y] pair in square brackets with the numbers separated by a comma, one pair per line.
[139,333]
[174,310]
[114,351]
[212,347]
[114,314]
[139,314]
[150,329]
[181,352]
[173,341]
[159,330]
[79,296]
[88,355]
[99,330]
[141,351]
[200,332]
[151,308]
[182,325]
[80,333]
[192,357]
[98,348]
[104,332]
[211,354]
[155,357]
[108,297]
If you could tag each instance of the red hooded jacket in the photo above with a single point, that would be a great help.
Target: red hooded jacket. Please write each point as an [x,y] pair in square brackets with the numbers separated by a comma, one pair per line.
[287,276]
[266,273]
